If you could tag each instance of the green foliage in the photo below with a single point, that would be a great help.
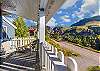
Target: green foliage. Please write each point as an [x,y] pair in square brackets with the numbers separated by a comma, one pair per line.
[98,37]
[55,33]
[66,51]
[94,68]
[22,29]
[1,1]
[80,35]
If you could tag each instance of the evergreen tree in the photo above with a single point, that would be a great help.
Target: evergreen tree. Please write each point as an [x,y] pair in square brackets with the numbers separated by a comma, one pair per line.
[22,29]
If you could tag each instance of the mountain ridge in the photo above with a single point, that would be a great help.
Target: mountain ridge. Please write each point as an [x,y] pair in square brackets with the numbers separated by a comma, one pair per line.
[86,20]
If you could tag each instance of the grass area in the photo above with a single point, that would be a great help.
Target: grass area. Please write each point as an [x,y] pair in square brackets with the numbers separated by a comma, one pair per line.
[94,68]
[66,51]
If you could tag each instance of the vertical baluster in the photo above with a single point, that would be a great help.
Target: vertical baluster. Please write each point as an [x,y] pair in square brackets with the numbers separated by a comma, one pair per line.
[15,42]
[20,42]
[53,67]
[49,65]
[23,42]
[55,51]
[27,41]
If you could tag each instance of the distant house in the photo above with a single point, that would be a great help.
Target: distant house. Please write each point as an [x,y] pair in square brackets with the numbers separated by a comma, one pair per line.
[8,33]
[8,29]
[32,31]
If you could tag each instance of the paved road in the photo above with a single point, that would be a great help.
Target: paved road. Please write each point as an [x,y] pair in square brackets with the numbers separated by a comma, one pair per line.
[87,57]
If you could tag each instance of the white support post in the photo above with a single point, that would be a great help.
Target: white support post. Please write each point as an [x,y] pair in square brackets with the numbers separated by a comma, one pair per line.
[20,42]
[42,27]
[72,64]
[43,56]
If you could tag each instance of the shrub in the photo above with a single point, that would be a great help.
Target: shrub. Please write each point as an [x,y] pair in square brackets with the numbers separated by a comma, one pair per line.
[94,68]
[66,51]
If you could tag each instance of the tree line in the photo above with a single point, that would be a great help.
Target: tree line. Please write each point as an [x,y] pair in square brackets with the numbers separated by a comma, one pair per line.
[84,37]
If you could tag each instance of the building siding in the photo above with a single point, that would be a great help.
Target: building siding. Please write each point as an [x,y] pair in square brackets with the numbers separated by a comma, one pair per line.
[10,30]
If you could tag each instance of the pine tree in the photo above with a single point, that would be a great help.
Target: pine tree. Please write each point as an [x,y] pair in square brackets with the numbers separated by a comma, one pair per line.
[22,29]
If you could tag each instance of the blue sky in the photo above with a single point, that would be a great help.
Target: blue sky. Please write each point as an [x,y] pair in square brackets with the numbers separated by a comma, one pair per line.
[74,10]
[71,12]
[27,21]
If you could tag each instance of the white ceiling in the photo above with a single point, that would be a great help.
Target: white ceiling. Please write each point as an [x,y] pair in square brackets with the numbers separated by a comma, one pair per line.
[30,8]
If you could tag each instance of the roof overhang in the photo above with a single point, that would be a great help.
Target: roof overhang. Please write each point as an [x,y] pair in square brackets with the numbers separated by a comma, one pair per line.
[10,23]
[30,8]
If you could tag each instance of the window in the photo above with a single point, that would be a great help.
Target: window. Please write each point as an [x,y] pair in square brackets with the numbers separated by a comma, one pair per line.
[4,32]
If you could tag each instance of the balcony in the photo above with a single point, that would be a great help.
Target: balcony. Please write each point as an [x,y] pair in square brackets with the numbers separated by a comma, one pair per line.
[28,54]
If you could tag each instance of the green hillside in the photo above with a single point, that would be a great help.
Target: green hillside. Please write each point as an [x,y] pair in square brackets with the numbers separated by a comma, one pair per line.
[87,35]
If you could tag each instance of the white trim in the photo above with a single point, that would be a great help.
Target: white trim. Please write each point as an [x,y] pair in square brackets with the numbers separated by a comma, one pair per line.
[42,27]
[12,12]
[9,22]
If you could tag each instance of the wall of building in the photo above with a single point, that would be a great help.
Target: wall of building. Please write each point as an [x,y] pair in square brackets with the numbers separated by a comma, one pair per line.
[10,30]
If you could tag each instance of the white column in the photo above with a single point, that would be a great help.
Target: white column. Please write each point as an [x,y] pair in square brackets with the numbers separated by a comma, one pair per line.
[42,27]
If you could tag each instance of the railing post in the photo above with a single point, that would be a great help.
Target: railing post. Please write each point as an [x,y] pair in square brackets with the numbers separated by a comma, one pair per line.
[55,51]
[28,40]
[72,64]
[50,64]
[25,41]
[61,56]
[20,42]
[15,42]
[53,68]
[42,27]
[46,60]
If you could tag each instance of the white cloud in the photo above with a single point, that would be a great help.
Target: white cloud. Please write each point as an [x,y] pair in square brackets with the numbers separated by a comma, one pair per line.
[73,15]
[59,12]
[52,22]
[97,13]
[79,14]
[89,3]
[89,6]
[65,18]
[68,3]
